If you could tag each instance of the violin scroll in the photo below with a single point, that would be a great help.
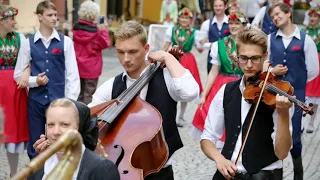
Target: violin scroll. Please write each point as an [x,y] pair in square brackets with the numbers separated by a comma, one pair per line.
[307,110]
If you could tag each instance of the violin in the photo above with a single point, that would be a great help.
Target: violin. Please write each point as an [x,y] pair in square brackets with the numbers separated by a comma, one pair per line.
[264,87]
[273,87]
[130,130]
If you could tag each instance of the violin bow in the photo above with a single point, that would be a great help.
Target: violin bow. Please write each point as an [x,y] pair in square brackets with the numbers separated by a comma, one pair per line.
[252,117]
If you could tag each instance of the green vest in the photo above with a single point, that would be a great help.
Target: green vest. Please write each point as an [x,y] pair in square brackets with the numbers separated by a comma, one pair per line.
[314,34]
[9,49]
[228,65]
[188,43]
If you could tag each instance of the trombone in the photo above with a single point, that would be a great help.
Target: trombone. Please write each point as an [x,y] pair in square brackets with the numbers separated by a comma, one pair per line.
[72,142]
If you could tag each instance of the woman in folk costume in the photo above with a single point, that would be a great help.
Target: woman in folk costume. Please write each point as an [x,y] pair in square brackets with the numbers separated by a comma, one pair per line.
[313,87]
[169,12]
[184,36]
[224,69]
[13,96]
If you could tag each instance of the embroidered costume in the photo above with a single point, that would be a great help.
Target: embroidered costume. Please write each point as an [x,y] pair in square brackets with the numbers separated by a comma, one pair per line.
[185,39]
[12,100]
[229,71]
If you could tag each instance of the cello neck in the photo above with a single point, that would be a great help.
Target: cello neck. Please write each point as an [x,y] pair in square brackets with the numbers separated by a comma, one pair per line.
[129,94]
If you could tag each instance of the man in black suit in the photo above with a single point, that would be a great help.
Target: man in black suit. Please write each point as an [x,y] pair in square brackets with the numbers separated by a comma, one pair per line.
[62,115]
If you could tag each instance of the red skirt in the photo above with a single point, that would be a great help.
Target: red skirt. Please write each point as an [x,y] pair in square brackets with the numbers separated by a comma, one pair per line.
[201,114]
[188,61]
[14,104]
[313,87]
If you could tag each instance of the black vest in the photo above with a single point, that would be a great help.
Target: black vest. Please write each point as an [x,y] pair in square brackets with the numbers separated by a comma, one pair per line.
[159,97]
[259,150]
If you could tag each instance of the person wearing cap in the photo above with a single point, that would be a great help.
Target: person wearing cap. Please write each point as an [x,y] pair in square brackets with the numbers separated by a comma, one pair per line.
[13,95]
[224,69]
[62,115]
[313,87]
[184,36]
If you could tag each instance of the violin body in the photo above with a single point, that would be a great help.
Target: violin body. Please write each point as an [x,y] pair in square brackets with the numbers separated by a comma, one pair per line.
[135,141]
[253,91]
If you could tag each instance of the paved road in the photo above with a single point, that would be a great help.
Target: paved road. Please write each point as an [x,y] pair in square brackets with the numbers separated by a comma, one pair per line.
[190,162]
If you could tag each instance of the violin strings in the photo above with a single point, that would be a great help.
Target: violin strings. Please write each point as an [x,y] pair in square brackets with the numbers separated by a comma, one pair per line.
[133,89]
[279,91]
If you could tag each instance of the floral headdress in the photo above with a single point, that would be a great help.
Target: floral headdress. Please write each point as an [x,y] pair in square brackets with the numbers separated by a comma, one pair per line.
[234,4]
[11,11]
[315,10]
[186,12]
[238,16]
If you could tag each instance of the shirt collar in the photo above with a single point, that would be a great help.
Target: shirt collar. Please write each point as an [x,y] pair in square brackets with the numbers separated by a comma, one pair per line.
[225,19]
[295,34]
[242,86]
[52,161]
[38,36]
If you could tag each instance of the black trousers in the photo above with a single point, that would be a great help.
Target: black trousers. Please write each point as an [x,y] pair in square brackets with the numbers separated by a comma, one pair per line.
[163,174]
[261,175]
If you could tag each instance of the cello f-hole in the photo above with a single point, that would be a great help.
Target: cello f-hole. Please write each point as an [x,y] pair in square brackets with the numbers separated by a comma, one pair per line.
[119,159]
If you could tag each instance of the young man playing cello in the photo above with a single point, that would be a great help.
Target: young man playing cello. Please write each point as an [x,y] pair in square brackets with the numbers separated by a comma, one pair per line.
[169,85]
[269,140]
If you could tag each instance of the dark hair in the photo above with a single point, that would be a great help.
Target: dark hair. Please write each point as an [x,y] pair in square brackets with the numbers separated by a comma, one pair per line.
[42,6]
[283,7]
[225,2]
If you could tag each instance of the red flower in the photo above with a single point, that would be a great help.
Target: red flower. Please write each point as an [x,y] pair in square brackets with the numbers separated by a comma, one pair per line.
[56,51]
[227,31]
[7,54]
[233,17]
[186,13]
[10,61]
[2,61]
[227,43]
[234,4]
[296,48]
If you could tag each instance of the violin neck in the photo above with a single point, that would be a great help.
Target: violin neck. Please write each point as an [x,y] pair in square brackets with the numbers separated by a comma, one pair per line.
[129,94]
[271,88]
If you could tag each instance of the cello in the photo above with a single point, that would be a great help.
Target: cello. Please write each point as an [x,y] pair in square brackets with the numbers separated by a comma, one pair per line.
[130,130]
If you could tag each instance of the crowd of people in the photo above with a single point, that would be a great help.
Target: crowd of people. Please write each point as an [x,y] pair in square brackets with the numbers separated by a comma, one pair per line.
[50,82]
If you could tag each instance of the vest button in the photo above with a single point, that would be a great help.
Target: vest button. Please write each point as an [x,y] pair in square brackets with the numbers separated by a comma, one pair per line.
[284,53]
[238,126]
[47,61]
[47,70]
[46,52]
[45,96]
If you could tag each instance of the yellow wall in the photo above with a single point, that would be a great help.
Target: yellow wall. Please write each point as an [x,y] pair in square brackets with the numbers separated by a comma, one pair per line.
[26,19]
[151,9]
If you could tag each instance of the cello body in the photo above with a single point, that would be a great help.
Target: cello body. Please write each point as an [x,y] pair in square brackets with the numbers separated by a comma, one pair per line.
[135,140]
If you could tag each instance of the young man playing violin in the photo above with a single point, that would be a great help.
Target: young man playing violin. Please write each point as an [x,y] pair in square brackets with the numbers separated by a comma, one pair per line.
[294,58]
[269,139]
[169,85]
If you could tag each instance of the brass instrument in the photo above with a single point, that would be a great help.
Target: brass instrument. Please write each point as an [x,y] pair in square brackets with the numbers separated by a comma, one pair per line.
[72,142]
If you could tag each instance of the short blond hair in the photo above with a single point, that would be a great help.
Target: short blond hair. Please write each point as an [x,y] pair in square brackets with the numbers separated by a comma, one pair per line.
[130,29]
[65,103]
[252,36]
[89,11]
[42,6]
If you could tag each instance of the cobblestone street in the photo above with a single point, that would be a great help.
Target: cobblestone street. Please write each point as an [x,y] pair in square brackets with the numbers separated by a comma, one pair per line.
[190,162]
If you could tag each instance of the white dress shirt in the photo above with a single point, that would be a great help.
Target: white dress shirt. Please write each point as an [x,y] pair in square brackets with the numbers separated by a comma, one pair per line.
[310,51]
[257,21]
[184,89]
[72,83]
[214,53]
[215,125]
[52,161]
[206,26]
